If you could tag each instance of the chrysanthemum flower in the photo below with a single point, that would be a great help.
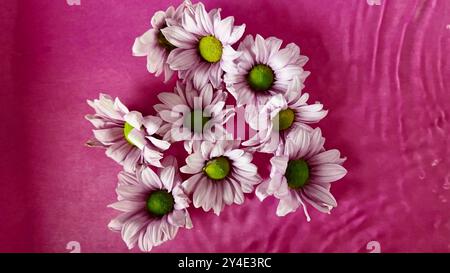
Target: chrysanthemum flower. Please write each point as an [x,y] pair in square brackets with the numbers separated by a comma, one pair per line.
[221,173]
[193,115]
[281,115]
[154,44]
[263,69]
[129,137]
[302,173]
[153,205]
[203,44]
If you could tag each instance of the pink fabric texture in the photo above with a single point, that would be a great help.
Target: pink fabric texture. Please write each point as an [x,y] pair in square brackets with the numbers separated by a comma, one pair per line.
[381,70]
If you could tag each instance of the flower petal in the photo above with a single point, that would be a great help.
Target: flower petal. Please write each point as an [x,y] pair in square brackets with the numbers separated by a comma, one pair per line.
[288,204]
[179,37]
[135,119]
[149,178]
[236,34]
[182,59]
[326,173]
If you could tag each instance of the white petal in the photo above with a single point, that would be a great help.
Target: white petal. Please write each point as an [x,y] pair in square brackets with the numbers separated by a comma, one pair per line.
[151,156]
[297,143]
[238,194]
[326,173]
[182,59]
[206,94]
[236,34]
[190,185]
[158,19]
[118,151]
[317,205]
[152,124]
[279,163]
[109,136]
[320,195]
[179,37]
[204,17]
[141,45]
[149,178]
[126,178]
[223,29]
[280,59]
[177,218]
[161,144]
[206,148]
[167,177]
[131,228]
[199,193]
[261,190]
[330,156]
[135,119]
[170,99]
[132,160]
[127,205]
[136,137]
[219,202]
[316,142]
[260,50]
[228,195]
[287,204]
[136,193]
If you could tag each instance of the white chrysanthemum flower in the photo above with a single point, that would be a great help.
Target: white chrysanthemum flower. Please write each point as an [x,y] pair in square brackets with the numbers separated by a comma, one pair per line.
[302,173]
[221,174]
[192,115]
[130,138]
[154,45]
[263,70]
[203,44]
[281,115]
[154,206]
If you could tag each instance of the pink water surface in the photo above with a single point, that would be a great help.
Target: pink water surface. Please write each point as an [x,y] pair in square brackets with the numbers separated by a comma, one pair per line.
[383,72]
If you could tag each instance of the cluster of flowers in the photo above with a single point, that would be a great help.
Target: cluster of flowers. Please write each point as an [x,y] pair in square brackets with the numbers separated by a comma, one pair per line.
[263,77]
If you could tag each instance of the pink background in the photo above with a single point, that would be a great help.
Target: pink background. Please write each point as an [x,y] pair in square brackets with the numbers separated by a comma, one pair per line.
[382,71]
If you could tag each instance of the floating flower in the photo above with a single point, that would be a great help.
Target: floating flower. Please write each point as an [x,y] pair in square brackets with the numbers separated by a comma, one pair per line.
[129,137]
[154,44]
[203,44]
[302,172]
[263,69]
[221,173]
[262,76]
[153,205]
[191,115]
[281,115]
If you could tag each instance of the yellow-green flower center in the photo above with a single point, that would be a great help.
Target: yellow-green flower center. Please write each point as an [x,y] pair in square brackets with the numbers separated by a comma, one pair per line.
[217,168]
[284,119]
[297,173]
[162,41]
[261,77]
[196,120]
[160,203]
[126,131]
[210,49]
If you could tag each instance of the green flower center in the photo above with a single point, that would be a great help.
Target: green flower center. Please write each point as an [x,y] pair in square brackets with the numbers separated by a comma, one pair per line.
[160,203]
[210,48]
[217,168]
[284,119]
[126,131]
[260,77]
[196,120]
[162,41]
[297,173]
